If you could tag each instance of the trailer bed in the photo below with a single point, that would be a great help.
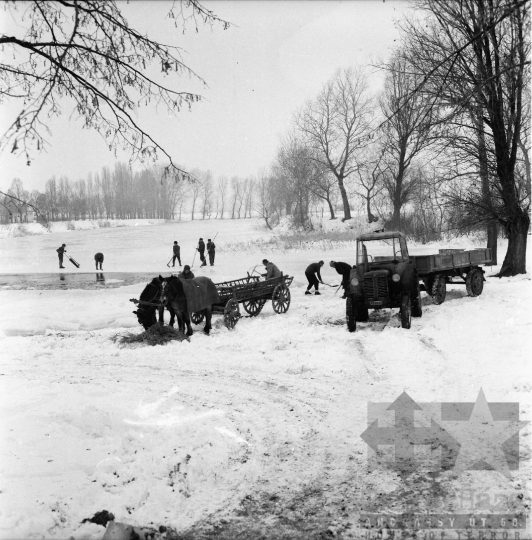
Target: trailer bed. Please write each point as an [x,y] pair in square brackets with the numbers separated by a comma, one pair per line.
[450,259]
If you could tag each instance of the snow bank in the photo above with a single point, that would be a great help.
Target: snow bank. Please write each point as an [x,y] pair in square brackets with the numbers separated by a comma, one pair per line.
[27,229]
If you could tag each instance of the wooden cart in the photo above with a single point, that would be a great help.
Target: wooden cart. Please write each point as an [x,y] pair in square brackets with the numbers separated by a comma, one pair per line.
[252,293]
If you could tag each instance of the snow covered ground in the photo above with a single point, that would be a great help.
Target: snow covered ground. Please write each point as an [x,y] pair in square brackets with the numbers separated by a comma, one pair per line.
[193,435]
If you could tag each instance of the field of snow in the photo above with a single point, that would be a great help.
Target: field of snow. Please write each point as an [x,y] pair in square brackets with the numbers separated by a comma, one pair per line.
[256,429]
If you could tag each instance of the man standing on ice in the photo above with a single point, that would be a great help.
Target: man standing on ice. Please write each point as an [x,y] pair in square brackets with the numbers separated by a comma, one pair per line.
[99,260]
[311,272]
[344,270]
[211,250]
[177,253]
[201,249]
[60,252]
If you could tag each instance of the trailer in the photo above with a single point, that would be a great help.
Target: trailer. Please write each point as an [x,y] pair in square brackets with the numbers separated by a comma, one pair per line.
[252,293]
[453,267]
[386,276]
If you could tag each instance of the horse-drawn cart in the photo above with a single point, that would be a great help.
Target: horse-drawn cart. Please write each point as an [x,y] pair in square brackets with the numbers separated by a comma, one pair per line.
[252,293]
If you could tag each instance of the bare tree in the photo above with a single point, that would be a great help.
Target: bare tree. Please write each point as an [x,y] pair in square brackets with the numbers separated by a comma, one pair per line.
[295,169]
[371,175]
[475,55]
[87,51]
[405,131]
[236,194]
[335,126]
[195,189]
[206,194]
[222,193]
[267,202]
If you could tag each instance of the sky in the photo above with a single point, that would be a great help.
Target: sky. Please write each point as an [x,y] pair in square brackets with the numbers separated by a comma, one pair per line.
[259,72]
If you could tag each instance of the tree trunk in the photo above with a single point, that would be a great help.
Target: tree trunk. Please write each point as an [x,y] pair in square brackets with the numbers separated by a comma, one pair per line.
[515,259]
[345,201]
[331,208]
[493,233]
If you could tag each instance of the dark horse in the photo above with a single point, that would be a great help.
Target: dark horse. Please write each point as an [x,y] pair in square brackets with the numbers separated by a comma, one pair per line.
[189,296]
[150,303]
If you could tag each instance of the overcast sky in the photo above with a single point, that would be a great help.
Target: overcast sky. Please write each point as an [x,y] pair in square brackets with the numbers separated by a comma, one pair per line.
[277,55]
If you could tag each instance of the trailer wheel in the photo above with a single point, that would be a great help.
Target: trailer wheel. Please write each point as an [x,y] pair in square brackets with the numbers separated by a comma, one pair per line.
[417,308]
[474,282]
[438,289]
[406,311]
[350,314]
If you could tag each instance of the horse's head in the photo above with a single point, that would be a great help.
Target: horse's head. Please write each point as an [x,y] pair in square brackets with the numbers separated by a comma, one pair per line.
[172,289]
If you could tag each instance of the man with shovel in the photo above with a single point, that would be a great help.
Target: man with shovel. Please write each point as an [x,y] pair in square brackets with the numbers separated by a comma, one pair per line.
[344,270]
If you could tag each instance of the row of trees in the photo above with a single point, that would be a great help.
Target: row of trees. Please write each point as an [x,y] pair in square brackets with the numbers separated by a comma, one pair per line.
[120,193]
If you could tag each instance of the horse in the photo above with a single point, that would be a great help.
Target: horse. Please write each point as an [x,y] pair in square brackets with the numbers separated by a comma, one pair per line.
[189,296]
[146,312]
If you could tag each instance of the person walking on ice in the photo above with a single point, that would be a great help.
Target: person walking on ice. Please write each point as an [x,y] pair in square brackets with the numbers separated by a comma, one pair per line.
[313,276]
[60,252]
[99,260]
[211,250]
[271,270]
[201,249]
[177,253]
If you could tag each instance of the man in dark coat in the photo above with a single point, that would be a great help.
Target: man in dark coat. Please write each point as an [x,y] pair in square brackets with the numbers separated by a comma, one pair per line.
[60,252]
[314,277]
[201,249]
[211,250]
[271,270]
[344,270]
[186,273]
[177,253]
[99,260]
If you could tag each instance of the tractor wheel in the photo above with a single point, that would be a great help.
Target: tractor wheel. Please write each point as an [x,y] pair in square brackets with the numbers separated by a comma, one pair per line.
[253,307]
[417,308]
[474,282]
[231,313]
[406,311]
[350,314]
[438,289]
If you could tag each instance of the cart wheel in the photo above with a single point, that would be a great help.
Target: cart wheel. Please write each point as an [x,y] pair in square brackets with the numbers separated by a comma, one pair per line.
[197,317]
[253,307]
[281,298]
[438,289]
[350,314]
[474,282]
[231,313]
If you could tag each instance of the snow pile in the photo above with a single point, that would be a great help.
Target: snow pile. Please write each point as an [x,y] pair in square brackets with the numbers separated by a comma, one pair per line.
[15,230]
[26,229]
